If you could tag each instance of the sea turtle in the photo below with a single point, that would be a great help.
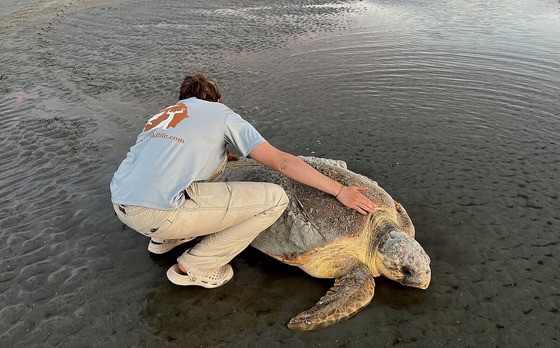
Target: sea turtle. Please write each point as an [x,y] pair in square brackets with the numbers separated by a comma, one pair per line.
[327,240]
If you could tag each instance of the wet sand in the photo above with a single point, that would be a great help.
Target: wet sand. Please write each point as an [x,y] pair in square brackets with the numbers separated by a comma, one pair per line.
[452,108]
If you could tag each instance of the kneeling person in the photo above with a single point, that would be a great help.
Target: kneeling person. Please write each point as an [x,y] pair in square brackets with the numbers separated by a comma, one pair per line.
[165,188]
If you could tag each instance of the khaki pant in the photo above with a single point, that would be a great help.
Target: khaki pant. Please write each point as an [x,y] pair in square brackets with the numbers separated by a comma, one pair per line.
[229,214]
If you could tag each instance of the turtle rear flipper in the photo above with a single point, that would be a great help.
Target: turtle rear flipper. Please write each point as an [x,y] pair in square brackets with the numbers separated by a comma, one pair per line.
[349,294]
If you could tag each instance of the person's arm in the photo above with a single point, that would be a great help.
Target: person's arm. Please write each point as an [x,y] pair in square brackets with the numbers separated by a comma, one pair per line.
[296,169]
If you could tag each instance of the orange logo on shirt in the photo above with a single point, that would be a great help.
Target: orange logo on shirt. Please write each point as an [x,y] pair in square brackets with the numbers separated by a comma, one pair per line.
[168,118]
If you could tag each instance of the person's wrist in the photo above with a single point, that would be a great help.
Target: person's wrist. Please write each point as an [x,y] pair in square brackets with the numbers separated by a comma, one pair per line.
[339,191]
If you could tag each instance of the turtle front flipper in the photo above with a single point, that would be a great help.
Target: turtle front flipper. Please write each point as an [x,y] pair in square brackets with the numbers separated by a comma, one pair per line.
[404,222]
[349,294]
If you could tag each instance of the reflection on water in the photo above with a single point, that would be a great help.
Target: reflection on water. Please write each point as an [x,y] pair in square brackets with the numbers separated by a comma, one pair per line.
[451,106]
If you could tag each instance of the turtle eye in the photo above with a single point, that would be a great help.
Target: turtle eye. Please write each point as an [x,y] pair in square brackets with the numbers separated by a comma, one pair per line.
[407,271]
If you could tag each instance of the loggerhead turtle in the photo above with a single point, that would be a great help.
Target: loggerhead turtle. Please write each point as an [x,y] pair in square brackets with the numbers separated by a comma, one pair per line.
[328,240]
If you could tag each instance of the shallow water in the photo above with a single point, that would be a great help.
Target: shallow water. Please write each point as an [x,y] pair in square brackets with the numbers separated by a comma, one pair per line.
[452,106]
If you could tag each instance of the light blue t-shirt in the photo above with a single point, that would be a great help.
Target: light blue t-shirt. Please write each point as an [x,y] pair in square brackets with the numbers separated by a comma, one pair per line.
[181,144]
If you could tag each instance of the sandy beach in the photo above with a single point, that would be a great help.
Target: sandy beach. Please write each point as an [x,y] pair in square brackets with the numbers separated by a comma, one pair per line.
[451,106]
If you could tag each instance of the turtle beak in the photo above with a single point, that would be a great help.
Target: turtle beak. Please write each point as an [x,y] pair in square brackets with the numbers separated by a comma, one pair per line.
[427,278]
[416,279]
[424,272]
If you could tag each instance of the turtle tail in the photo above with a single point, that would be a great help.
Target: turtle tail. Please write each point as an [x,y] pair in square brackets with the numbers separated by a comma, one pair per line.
[349,294]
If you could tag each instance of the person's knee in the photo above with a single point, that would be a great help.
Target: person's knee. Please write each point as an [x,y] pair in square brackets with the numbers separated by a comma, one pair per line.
[279,196]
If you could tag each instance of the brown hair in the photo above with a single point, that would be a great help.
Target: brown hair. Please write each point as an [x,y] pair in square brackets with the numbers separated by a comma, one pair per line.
[199,86]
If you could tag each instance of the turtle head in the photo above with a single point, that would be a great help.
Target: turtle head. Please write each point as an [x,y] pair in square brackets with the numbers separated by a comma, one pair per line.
[401,258]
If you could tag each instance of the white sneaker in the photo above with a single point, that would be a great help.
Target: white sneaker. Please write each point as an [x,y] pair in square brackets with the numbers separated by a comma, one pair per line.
[211,278]
[161,246]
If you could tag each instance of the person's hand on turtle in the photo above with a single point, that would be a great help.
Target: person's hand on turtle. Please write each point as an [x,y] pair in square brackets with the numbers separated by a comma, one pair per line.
[352,197]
